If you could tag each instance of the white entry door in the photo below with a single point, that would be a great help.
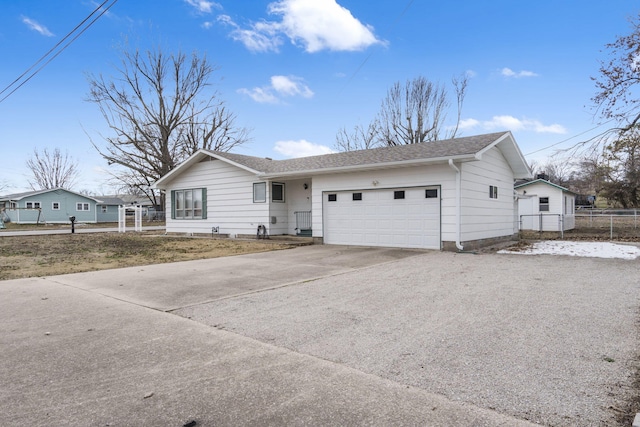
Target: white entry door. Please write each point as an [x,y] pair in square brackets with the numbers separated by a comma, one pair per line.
[398,217]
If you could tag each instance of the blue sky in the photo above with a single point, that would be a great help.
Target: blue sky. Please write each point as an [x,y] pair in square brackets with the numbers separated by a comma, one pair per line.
[296,71]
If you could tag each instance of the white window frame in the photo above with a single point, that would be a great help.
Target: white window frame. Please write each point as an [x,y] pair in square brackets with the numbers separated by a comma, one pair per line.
[189,204]
[83,207]
[104,208]
[542,204]
[277,184]
[33,205]
[259,192]
[55,206]
[493,192]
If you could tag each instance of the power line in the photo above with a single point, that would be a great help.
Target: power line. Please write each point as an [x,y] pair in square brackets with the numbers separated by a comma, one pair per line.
[99,7]
[570,138]
[393,25]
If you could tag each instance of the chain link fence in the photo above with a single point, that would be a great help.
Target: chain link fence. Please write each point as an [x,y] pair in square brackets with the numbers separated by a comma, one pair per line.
[598,224]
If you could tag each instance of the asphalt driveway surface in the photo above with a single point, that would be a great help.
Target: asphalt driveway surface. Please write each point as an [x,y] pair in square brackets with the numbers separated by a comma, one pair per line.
[324,335]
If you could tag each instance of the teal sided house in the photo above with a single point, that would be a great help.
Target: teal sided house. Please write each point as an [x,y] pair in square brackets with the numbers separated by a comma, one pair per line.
[57,206]
[452,194]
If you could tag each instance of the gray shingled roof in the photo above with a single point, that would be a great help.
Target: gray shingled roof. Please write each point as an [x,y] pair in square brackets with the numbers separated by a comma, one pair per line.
[450,148]
[109,200]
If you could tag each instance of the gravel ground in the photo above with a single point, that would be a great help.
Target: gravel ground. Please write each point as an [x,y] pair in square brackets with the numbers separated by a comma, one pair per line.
[550,339]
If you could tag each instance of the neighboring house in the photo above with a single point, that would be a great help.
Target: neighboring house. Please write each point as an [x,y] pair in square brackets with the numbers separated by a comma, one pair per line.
[107,208]
[56,206]
[451,194]
[149,210]
[545,206]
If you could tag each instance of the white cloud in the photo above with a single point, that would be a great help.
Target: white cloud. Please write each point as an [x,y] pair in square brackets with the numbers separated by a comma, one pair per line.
[260,95]
[291,86]
[314,24]
[513,124]
[468,124]
[258,39]
[508,72]
[281,86]
[207,25]
[301,148]
[203,6]
[33,25]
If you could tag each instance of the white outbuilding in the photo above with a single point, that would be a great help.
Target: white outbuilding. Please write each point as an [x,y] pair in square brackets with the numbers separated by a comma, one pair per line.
[545,206]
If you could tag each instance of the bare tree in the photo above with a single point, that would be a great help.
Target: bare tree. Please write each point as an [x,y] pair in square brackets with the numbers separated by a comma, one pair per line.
[409,114]
[3,185]
[161,109]
[557,170]
[52,169]
[616,98]
[359,139]
[622,169]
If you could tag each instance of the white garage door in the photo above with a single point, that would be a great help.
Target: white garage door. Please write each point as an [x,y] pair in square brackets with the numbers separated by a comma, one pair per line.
[399,217]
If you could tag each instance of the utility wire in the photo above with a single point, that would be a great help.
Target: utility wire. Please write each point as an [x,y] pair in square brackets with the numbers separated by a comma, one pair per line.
[105,10]
[365,60]
[570,138]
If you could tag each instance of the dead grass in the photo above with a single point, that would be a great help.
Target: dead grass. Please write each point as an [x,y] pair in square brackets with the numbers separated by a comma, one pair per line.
[47,255]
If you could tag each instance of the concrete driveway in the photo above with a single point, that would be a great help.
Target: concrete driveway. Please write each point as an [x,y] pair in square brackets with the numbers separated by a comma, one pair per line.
[170,286]
[324,335]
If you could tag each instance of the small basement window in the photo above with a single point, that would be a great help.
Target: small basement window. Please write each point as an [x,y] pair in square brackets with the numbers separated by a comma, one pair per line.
[493,192]
[431,194]
[332,198]
[544,204]
[398,194]
[357,196]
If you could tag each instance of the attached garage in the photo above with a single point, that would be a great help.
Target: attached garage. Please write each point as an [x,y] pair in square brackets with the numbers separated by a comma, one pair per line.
[395,217]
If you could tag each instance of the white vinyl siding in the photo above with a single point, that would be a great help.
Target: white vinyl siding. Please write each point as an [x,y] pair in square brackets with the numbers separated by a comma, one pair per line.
[482,216]
[229,200]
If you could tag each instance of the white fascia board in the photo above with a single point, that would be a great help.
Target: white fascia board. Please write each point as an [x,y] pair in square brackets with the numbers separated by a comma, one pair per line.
[194,158]
[512,153]
[370,166]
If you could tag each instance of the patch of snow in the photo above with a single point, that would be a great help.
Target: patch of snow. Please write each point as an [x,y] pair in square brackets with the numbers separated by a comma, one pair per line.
[582,249]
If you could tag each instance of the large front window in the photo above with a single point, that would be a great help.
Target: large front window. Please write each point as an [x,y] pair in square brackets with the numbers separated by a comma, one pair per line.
[189,204]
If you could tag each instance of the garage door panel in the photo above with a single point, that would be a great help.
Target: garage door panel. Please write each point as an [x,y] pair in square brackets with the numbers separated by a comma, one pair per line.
[380,220]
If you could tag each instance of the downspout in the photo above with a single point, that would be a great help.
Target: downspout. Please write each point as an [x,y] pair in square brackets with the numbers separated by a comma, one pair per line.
[458,207]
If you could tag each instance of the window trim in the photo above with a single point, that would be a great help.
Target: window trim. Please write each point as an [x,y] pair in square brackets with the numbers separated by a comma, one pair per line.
[332,197]
[542,204]
[493,192]
[256,186]
[277,184]
[55,206]
[80,207]
[34,205]
[189,213]
[356,197]
[104,209]
[428,196]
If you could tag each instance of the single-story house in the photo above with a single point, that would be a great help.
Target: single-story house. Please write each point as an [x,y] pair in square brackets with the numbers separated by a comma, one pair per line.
[107,208]
[545,206]
[449,194]
[57,206]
